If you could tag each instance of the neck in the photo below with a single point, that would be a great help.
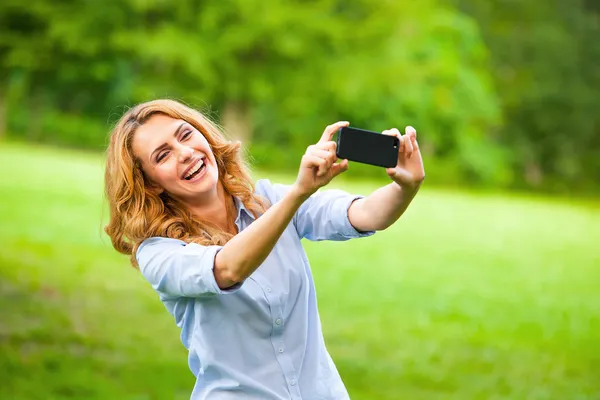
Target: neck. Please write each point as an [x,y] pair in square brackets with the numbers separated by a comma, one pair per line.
[216,210]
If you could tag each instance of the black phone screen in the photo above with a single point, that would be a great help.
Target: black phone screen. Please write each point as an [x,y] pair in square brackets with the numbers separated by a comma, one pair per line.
[367,147]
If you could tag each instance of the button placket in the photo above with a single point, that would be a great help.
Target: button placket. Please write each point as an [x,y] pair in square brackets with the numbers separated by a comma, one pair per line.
[277,339]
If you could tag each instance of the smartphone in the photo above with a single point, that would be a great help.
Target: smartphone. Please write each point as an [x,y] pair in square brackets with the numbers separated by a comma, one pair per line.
[367,147]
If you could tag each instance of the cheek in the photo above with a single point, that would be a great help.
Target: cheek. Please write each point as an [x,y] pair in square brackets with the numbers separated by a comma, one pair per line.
[164,174]
[216,167]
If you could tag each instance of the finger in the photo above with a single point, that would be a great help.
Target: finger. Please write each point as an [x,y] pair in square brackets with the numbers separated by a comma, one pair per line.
[311,161]
[408,147]
[329,146]
[330,149]
[315,151]
[328,156]
[413,137]
[331,130]
[338,168]
[415,145]
[402,144]
[391,132]
[395,132]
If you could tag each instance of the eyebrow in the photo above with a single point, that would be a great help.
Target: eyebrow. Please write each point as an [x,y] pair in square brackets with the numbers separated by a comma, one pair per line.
[162,146]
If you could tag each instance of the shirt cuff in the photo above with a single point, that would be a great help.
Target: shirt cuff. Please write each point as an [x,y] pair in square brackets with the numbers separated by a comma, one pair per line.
[348,230]
[208,272]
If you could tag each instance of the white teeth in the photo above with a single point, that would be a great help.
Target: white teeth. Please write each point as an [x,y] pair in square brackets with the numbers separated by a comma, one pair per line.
[196,168]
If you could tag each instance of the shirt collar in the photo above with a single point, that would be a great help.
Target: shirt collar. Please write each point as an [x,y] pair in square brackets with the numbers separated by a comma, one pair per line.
[241,208]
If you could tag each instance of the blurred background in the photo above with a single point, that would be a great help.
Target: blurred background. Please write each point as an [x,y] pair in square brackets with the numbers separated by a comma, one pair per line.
[485,289]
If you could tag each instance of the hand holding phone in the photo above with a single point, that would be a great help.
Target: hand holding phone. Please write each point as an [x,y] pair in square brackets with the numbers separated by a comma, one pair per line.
[318,165]
[399,154]
[367,147]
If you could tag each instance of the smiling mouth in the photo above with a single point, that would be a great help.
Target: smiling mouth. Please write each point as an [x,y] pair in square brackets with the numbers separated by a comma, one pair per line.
[195,170]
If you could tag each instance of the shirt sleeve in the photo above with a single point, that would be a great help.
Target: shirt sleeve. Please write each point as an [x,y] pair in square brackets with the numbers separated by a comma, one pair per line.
[175,268]
[324,215]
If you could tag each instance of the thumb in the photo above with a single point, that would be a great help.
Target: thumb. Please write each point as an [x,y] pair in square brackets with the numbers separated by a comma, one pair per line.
[401,175]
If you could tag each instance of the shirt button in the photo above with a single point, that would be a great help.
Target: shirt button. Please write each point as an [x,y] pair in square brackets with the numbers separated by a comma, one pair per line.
[293,382]
[281,350]
[268,289]
[278,321]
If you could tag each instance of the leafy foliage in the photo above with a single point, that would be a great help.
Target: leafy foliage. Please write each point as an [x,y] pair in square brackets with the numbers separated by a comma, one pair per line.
[501,92]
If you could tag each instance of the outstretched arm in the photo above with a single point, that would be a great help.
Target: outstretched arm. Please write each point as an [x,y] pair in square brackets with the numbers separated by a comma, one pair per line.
[384,206]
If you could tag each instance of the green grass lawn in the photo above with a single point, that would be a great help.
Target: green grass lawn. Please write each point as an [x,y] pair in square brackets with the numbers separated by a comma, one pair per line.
[468,296]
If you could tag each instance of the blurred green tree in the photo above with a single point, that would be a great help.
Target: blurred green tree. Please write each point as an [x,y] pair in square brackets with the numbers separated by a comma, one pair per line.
[23,48]
[282,70]
[545,65]
[277,71]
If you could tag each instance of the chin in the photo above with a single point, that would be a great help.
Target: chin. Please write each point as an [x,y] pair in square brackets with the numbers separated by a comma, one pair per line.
[205,183]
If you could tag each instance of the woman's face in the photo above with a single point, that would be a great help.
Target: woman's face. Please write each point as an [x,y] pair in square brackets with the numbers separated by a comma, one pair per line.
[176,157]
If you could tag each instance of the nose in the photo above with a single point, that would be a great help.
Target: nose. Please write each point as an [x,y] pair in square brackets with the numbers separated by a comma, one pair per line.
[185,153]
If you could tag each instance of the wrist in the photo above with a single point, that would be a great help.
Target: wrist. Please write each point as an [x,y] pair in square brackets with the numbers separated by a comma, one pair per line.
[298,194]
[412,187]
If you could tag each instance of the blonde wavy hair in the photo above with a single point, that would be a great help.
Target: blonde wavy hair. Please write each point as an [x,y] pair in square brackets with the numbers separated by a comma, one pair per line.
[137,212]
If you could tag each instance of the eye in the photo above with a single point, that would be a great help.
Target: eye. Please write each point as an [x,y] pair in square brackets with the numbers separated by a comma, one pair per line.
[162,156]
[186,135]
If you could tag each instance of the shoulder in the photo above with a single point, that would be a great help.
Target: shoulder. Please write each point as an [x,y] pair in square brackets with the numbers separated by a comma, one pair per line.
[153,245]
[159,241]
[271,190]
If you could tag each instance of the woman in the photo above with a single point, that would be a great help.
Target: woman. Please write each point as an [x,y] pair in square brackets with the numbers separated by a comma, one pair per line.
[224,255]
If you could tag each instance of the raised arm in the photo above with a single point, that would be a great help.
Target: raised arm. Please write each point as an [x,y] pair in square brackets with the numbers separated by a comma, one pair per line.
[247,250]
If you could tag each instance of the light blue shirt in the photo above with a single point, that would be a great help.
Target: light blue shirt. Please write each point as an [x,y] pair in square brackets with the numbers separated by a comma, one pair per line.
[262,338]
